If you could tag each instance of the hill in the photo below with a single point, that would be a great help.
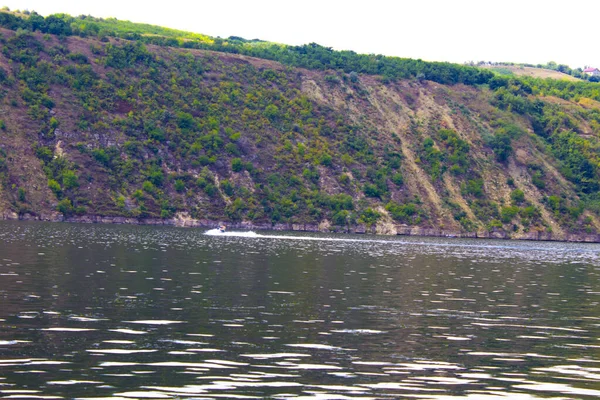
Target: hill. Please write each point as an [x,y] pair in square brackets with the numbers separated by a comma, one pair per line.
[533,72]
[102,128]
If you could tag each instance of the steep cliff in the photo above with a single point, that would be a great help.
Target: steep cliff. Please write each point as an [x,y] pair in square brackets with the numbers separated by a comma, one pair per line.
[114,129]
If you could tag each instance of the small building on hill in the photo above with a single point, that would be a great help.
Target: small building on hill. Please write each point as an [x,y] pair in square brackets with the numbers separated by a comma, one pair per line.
[592,71]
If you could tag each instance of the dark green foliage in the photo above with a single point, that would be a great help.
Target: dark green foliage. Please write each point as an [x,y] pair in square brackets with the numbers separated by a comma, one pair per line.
[237,165]
[371,190]
[433,158]
[397,179]
[311,175]
[473,187]
[456,153]
[69,180]
[508,213]
[227,187]
[22,195]
[570,149]
[44,153]
[501,144]
[210,189]
[148,187]
[271,112]
[485,210]
[338,202]
[517,196]
[369,216]
[341,218]
[65,206]
[127,56]
[101,156]
[406,213]
[185,120]
[179,185]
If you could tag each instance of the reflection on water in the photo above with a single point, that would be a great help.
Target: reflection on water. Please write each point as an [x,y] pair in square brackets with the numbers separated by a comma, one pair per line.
[91,312]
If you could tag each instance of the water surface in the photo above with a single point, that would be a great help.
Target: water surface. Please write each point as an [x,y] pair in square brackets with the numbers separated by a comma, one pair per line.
[100,311]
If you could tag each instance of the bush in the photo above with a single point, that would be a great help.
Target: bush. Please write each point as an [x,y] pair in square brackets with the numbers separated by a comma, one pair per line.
[402,212]
[271,112]
[227,187]
[210,189]
[69,180]
[398,179]
[371,190]
[179,185]
[237,165]
[64,206]
[138,195]
[474,187]
[517,196]
[369,216]
[148,187]
[494,224]
[501,144]
[340,218]
[55,187]
[508,213]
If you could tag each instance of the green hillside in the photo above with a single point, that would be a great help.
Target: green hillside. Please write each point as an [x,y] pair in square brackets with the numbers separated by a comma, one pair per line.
[104,119]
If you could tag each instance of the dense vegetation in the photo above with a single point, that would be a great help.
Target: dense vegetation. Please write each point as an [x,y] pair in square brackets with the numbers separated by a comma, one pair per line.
[139,121]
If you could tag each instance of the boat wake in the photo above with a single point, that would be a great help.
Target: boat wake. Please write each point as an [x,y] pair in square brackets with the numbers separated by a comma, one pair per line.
[217,232]
[395,241]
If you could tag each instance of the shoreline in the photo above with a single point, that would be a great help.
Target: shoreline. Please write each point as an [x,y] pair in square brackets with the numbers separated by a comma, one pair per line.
[183,220]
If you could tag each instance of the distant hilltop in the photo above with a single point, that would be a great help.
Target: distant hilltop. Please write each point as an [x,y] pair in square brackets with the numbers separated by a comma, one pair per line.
[550,70]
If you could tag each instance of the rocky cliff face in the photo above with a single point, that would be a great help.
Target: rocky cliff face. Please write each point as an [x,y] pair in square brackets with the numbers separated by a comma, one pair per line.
[118,132]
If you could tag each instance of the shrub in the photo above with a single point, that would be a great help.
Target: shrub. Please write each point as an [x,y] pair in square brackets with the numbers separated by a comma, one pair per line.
[179,185]
[55,187]
[271,112]
[369,216]
[371,190]
[474,187]
[232,148]
[326,160]
[341,217]
[398,179]
[494,224]
[148,187]
[508,213]
[138,194]
[227,187]
[64,206]
[344,179]
[210,189]
[501,144]
[237,165]
[517,196]
[69,180]
[401,212]
[538,180]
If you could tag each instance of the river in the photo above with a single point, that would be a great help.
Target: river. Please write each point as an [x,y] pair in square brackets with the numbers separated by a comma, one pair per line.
[134,312]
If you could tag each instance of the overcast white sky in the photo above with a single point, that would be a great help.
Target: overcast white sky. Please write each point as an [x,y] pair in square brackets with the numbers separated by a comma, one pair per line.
[526,31]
